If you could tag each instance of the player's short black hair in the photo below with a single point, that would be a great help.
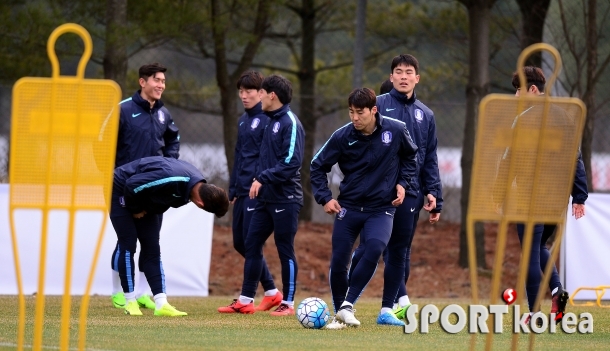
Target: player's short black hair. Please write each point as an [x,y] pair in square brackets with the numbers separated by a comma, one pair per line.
[150,69]
[407,60]
[250,80]
[361,98]
[280,86]
[215,199]
[386,87]
[533,76]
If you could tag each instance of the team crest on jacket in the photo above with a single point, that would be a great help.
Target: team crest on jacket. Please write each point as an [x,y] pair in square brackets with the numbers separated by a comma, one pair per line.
[341,213]
[276,127]
[161,117]
[255,123]
[419,115]
[386,137]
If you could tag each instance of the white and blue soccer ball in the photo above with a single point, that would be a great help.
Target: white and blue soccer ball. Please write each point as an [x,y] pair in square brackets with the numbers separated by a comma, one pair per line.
[313,313]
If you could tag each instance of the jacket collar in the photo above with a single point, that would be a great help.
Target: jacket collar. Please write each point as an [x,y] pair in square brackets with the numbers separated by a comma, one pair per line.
[402,97]
[378,123]
[279,112]
[255,110]
[137,98]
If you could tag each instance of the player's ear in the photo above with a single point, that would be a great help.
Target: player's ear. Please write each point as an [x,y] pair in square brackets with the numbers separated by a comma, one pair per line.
[142,82]
[198,202]
[374,110]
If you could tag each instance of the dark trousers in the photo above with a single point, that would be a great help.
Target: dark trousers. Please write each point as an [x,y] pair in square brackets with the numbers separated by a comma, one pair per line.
[375,227]
[243,208]
[282,220]
[539,258]
[129,231]
[397,256]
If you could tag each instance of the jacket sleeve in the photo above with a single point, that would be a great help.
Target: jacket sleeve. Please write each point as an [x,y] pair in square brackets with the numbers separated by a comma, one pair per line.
[236,161]
[289,163]
[580,192]
[408,164]
[171,138]
[431,178]
[321,165]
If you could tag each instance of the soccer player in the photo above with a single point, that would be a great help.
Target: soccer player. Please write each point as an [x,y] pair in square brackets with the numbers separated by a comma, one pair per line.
[146,128]
[277,186]
[379,160]
[142,190]
[401,103]
[251,126]
[539,253]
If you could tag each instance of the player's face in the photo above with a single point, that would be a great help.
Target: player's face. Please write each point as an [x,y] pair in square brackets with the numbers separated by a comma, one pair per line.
[363,119]
[533,90]
[153,87]
[249,97]
[266,100]
[404,78]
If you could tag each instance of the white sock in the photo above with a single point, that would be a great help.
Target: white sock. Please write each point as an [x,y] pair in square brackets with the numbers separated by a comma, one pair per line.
[345,303]
[160,300]
[271,292]
[142,287]
[244,300]
[289,303]
[116,283]
[385,310]
[130,296]
[403,301]
[554,291]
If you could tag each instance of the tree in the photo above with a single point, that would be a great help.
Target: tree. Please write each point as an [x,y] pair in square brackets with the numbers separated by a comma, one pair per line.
[226,80]
[479,15]
[534,13]
[585,61]
[115,55]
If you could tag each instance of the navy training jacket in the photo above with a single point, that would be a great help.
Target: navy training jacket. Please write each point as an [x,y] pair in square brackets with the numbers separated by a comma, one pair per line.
[372,165]
[145,132]
[250,129]
[422,126]
[154,184]
[280,158]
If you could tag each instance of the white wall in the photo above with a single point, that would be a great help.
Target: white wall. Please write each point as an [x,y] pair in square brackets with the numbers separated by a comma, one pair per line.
[186,245]
[586,248]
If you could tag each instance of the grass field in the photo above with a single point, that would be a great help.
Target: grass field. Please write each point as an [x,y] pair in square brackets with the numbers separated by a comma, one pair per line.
[204,328]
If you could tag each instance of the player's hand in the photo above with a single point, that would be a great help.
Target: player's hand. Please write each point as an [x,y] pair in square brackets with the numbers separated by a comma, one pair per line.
[256,185]
[139,215]
[431,205]
[332,207]
[578,210]
[434,217]
[400,192]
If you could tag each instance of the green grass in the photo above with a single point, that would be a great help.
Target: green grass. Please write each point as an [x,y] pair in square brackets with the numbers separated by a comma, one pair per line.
[204,328]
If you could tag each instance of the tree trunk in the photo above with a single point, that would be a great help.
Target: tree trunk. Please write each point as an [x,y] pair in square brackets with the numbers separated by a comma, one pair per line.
[478,86]
[226,81]
[307,80]
[589,96]
[533,15]
[115,55]
[359,44]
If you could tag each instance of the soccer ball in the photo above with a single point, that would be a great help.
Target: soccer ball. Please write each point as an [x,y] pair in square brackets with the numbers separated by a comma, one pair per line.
[313,313]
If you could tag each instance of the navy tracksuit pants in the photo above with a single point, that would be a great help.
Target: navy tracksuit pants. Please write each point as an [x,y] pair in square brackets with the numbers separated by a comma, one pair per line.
[282,219]
[539,256]
[243,208]
[375,226]
[129,231]
[397,256]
